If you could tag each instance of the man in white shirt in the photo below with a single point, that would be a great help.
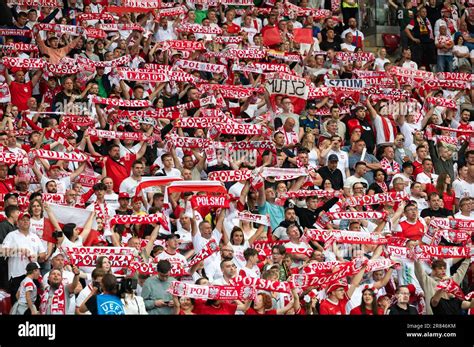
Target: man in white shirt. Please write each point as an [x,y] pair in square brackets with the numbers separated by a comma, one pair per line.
[426,177]
[22,247]
[97,275]
[419,196]
[357,35]
[63,183]
[177,260]
[165,31]
[343,162]
[129,185]
[205,234]
[360,171]
[168,166]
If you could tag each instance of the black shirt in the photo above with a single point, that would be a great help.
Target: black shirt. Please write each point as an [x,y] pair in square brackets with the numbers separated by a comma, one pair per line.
[308,217]
[447,307]
[396,310]
[441,213]
[334,176]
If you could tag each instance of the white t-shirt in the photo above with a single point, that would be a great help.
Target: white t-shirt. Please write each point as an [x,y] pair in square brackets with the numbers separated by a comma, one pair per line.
[351,180]
[410,65]
[379,63]
[348,47]
[83,296]
[424,179]
[63,183]
[239,258]
[177,260]
[33,245]
[405,179]
[463,189]
[129,185]
[200,242]
[27,285]
[420,202]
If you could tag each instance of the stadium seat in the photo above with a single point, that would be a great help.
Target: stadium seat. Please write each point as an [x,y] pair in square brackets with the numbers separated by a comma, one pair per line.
[391,42]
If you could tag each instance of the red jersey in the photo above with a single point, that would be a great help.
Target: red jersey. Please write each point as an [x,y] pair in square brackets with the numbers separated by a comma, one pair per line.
[328,307]
[412,231]
[357,311]
[119,170]
[20,93]
[7,185]
[223,308]
[252,312]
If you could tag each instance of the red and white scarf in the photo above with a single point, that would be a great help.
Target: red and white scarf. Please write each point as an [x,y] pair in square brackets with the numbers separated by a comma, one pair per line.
[120,102]
[230,175]
[169,12]
[108,134]
[120,27]
[455,76]
[228,91]
[307,193]
[255,218]
[450,286]
[226,293]
[198,29]
[32,63]
[156,218]
[209,201]
[375,199]
[283,174]
[36,3]
[111,63]
[234,128]
[228,39]
[58,302]
[437,84]
[187,142]
[448,103]
[361,56]
[356,215]
[246,53]
[183,45]
[140,114]
[52,155]
[271,67]
[90,260]
[196,122]
[200,66]
[261,284]
[19,47]
[81,17]
[208,250]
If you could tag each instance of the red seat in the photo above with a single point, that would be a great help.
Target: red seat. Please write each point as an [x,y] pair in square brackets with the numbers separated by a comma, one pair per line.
[391,42]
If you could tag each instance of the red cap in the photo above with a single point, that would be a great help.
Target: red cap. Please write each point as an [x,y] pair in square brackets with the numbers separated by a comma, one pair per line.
[136,198]
[23,214]
[335,285]
[124,195]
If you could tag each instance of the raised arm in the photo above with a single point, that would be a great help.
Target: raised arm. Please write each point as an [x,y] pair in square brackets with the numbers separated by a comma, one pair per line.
[149,246]
[356,281]
[88,226]
[78,171]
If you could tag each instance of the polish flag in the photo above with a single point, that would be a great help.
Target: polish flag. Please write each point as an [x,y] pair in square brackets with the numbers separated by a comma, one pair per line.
[64,215]
[154,181]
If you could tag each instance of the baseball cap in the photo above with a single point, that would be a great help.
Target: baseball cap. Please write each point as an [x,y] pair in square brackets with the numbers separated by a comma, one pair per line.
[9,195]
[124,195]
[338,284]
[32,266]
[333,157]
[171,236]
[23,214]
[310,105]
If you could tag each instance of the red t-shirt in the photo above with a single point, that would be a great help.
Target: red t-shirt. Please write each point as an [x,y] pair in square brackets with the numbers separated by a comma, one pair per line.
[233,28]
[7,185]
[327,307]
[447,199]
[119,170]
[417,168]
[224,308]
[20,93]
[252,312]
[358,311]
[412,231]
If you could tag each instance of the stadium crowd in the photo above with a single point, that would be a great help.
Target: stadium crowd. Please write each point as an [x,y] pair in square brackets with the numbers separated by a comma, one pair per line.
[235,157]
